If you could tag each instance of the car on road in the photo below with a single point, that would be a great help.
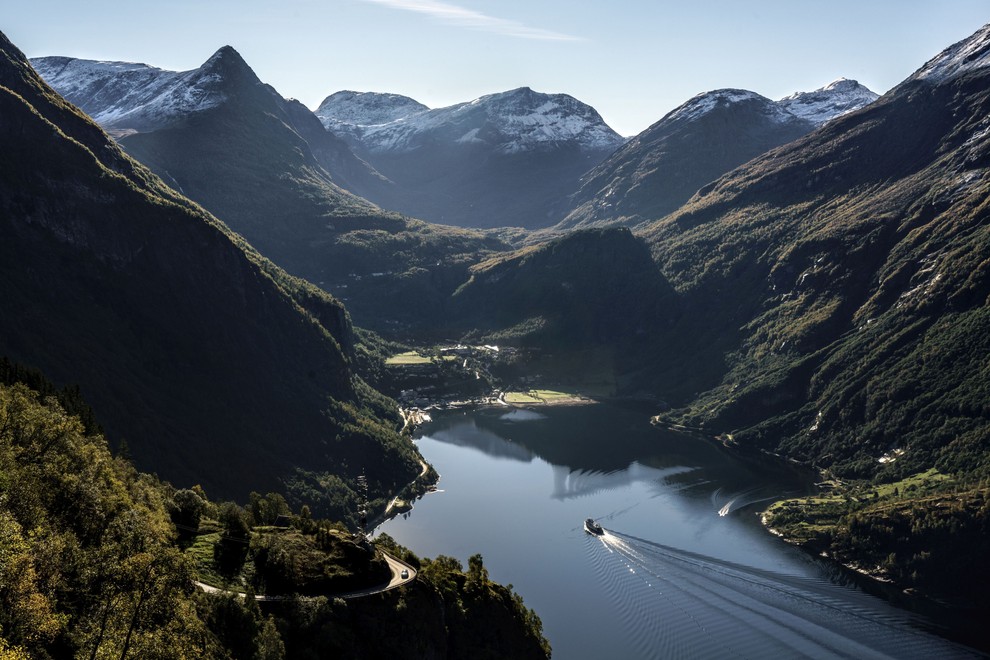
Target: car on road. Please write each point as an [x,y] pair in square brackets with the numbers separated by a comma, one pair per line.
[404,574]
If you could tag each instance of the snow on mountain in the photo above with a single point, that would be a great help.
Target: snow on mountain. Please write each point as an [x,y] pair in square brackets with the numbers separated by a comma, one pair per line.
[124,95]
[969,54]
[515,121]
[703,103]
[819,106]
[833,100]
[366,108]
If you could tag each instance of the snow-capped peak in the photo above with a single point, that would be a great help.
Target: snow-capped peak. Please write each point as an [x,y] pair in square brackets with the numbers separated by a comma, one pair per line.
[222,53]
[835,99]
[826,103]
[701,104]
[366,108]
[137,97]
[513,121]
[967,55]
[228,65]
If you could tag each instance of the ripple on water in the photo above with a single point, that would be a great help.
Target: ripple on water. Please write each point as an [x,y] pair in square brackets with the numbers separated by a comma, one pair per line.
[681,604]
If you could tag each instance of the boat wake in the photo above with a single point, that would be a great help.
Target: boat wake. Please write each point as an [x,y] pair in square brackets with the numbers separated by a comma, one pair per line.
[735,501]
[681,604]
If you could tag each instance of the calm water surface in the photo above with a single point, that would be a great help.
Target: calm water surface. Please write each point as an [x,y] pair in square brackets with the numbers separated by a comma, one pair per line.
[684,570]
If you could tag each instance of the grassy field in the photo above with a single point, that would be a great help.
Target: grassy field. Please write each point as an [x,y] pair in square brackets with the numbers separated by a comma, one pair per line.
[409,357]
[806,518]
[201,552]
[539,396]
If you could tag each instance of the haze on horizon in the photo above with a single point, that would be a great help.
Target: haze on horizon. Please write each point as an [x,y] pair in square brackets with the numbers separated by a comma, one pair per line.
[633,61]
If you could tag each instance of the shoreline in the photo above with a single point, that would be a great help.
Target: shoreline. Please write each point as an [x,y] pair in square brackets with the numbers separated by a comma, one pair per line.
[540,402]
[414,417]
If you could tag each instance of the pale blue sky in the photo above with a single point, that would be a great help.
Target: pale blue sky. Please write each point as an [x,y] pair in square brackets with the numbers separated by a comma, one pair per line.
[634,61]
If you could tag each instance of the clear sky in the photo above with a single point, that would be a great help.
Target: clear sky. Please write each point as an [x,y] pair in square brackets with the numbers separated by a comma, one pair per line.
[633,60]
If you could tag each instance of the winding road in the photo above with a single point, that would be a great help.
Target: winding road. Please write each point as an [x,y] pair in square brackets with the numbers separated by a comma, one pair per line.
[395,565]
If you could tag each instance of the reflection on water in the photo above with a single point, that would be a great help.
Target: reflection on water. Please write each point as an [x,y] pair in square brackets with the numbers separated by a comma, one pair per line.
[465,432]
[521,415]
[578,483]
[596,448]
[689,571]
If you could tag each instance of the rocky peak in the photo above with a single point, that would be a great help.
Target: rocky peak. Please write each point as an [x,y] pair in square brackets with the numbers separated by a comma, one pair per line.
[228,64]
[826,103]
[126,97]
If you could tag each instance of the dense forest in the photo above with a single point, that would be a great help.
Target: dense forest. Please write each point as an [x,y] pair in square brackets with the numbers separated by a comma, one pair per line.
[99,560]
[928,533]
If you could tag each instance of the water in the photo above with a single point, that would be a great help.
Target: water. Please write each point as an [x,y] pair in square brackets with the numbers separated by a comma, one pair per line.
[684,569]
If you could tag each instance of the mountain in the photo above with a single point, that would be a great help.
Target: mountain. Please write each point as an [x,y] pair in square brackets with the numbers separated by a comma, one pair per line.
[568,291]
[348,113]
[593,299]
[712,133]
[842,281]
[131,100]
[214,365]
[83,530]
[510,122]
[263,165]
[501,160]
[826,103]
[126,98]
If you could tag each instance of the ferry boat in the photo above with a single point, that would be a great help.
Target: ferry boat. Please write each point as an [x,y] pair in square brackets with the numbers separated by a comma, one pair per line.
[592,527]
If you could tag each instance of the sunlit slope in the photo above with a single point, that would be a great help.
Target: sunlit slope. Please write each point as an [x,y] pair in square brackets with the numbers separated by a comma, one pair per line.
[843,281]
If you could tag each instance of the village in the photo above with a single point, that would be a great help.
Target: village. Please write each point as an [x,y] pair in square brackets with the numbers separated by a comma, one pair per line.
[462,375]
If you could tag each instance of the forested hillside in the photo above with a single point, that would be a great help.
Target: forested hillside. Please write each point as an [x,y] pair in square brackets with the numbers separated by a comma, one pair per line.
[266,167]
[92,563]
[214,365]
[848,272]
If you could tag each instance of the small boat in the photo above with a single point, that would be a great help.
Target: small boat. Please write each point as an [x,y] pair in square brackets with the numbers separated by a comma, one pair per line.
[592,527]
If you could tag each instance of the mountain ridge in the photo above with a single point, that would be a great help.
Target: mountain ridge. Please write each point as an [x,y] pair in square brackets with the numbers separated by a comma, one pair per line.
[128,98]
[260,163]
[512,121]
[216,366]
[848,254]
[711,133]
[503,159]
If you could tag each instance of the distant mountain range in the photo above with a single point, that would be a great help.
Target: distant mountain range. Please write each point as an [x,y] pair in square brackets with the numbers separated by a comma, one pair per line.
[712,133]
[267,167]
[125,97]
[516,121]
[500,160]
[214,365]
[136,99]
[517,158]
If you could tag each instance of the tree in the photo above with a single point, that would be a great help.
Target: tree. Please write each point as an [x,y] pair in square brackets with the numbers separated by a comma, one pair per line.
[230,551]
[266,510]
[186,509]
[269,645]
[477,574]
